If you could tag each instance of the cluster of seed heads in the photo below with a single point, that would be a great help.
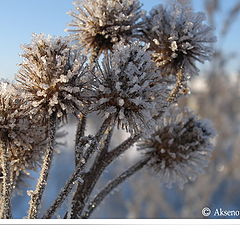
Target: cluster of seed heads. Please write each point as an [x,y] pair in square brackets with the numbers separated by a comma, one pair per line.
[138,65]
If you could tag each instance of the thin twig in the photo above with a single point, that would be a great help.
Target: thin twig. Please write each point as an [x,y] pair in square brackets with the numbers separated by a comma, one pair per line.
[7,184]
[112,185]
[36,196]
[124,146]
[107,142]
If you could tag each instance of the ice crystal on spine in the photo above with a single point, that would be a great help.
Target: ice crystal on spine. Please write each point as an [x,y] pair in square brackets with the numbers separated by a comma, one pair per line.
[99,24]
[178,38]
[51,75]
[24,137]
[128,86]
[179,148]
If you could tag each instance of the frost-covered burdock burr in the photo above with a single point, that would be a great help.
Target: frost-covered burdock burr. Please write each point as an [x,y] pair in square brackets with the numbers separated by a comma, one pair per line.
[178,38]
[23,136]
[179,149]
[99,24]
[51,74]
[128,86]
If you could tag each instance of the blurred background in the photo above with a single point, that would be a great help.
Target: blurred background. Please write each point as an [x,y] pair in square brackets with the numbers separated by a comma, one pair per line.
[215,95]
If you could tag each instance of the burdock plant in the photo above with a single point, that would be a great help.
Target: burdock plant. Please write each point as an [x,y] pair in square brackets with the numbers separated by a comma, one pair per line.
[127,77]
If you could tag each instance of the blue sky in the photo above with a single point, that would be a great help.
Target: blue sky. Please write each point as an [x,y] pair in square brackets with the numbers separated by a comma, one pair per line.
[20,18]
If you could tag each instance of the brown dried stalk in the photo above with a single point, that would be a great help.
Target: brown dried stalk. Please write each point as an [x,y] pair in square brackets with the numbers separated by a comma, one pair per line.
[7,184]
[180,86]
[36,196]
[79,134]
[77,174]
[91,178]
[112,185]
[105,129]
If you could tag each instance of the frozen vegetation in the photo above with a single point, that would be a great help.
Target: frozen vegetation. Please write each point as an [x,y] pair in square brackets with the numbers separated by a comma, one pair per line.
[129,67]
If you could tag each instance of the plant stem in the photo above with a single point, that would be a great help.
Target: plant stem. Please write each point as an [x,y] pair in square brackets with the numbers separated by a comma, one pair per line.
[79,134]
[180,86]
[36,196]
[6,185]
[124,146]
[96,171]
[92,148]
[112,185]
[105,129]
[105,160]
[64,192]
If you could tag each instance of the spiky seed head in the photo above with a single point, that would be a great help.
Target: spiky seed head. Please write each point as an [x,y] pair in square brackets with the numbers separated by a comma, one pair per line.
[179,149]
[178,38]
[24,137]
[51,74]
[129,86]
[99,24]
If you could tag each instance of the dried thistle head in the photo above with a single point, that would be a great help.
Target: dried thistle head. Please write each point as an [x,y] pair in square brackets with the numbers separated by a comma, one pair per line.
[99,24]
[51,75]
[23,136]
[178,38]
[179,148]
[128,85]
